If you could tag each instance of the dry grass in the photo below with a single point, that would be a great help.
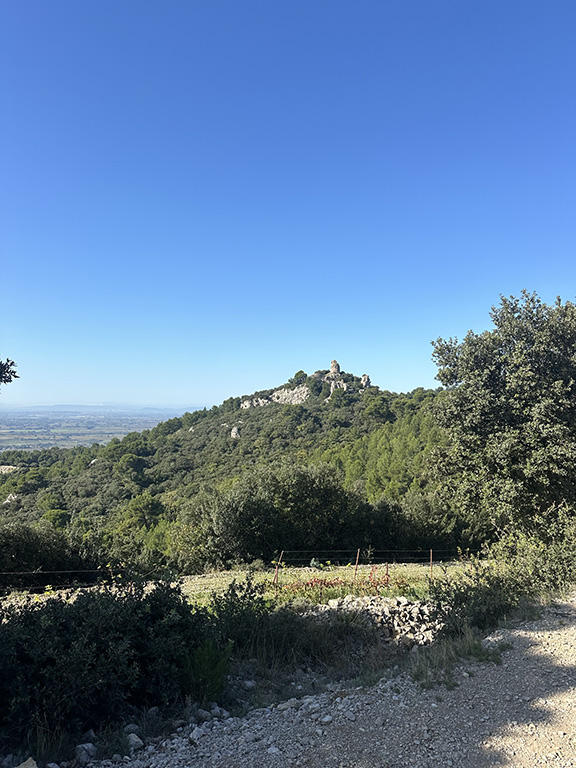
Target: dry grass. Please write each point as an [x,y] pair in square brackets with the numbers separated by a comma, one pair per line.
[405,579]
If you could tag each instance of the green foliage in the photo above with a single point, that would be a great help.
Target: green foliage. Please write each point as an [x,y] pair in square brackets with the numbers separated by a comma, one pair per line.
[520,565]
[244,618]
[66,665]
[546,558]
[239,612]
[35,555]
[7,371]
[208,668]
[286,507]
[480,597]
[59,518]
[186,496]
[509,415]
[300,377]
[378,408]
[390,458]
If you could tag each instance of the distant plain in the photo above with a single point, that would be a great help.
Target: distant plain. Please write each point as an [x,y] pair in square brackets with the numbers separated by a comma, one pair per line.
[38,428]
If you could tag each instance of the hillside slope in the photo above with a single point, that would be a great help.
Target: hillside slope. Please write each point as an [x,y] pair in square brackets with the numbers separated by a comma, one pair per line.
[142,486]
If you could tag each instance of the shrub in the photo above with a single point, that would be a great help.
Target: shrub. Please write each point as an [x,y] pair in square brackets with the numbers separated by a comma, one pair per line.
[69,665]
[519,565]
[35,555]
[239,613]
[478,597]
[207,671]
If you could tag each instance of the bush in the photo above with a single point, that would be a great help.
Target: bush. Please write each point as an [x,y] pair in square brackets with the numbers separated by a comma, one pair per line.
[34,556]
[519,565]
[480,597]
[253,627]
[70,665]
[239,613]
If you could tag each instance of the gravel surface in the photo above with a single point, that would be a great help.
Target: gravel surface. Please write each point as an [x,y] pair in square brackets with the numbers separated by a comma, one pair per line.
[521,713]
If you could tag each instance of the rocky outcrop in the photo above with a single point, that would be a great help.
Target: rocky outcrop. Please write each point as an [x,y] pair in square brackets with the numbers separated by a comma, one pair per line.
[283,395]
[301,393]
[235,434]
[294,396]
[255,402]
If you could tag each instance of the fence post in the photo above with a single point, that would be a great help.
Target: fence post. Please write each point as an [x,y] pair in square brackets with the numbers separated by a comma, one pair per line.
[431,564]
[275,580]
[356,566]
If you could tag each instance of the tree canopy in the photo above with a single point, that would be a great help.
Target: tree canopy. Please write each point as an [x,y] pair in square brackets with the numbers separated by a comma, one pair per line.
[510,416]
[7,371]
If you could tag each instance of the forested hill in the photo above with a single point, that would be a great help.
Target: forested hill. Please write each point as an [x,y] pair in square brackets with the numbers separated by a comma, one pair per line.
[134,492]
[326,461]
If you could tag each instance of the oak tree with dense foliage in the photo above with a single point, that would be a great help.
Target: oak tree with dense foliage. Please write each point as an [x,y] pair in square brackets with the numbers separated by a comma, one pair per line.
[510,415]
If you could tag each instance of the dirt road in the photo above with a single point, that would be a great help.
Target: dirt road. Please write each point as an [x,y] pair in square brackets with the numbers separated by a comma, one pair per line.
[521,713]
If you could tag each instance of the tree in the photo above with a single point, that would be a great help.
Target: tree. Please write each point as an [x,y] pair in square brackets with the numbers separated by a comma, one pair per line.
[510,416]
[7,371]
[285,506]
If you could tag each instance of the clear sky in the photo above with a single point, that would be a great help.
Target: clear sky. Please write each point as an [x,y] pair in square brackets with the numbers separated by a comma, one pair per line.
[199,198]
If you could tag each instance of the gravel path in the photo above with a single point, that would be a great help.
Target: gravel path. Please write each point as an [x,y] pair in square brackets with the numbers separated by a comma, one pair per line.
[522,714]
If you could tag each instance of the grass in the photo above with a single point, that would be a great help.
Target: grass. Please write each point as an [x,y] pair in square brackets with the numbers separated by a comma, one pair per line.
[322,584]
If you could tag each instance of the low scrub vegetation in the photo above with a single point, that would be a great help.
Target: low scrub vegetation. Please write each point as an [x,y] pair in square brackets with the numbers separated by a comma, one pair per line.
[519,565]
[518,570]
[70,663]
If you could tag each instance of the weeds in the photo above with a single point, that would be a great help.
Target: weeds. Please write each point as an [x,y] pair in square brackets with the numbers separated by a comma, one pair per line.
[376,583]
[435,664]
[206,670]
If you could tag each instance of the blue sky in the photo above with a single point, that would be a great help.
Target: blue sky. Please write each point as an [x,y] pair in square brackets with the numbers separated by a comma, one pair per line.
[200,198]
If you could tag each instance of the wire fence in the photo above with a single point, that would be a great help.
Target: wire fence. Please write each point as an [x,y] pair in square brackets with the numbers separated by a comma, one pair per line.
[363,556]
[320,558]
[39,580]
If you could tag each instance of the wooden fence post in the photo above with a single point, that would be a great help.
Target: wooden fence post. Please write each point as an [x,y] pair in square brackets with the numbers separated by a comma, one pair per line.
[356,566]
[275,580]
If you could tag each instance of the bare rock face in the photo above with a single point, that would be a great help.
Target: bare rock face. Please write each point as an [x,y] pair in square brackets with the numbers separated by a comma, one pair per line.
[365,383]
[338,385]
[283,395]
[334,367]
[295,396]
[256,402]
[235,434]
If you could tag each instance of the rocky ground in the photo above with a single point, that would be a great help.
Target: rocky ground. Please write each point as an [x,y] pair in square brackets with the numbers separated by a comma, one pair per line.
[521,713]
